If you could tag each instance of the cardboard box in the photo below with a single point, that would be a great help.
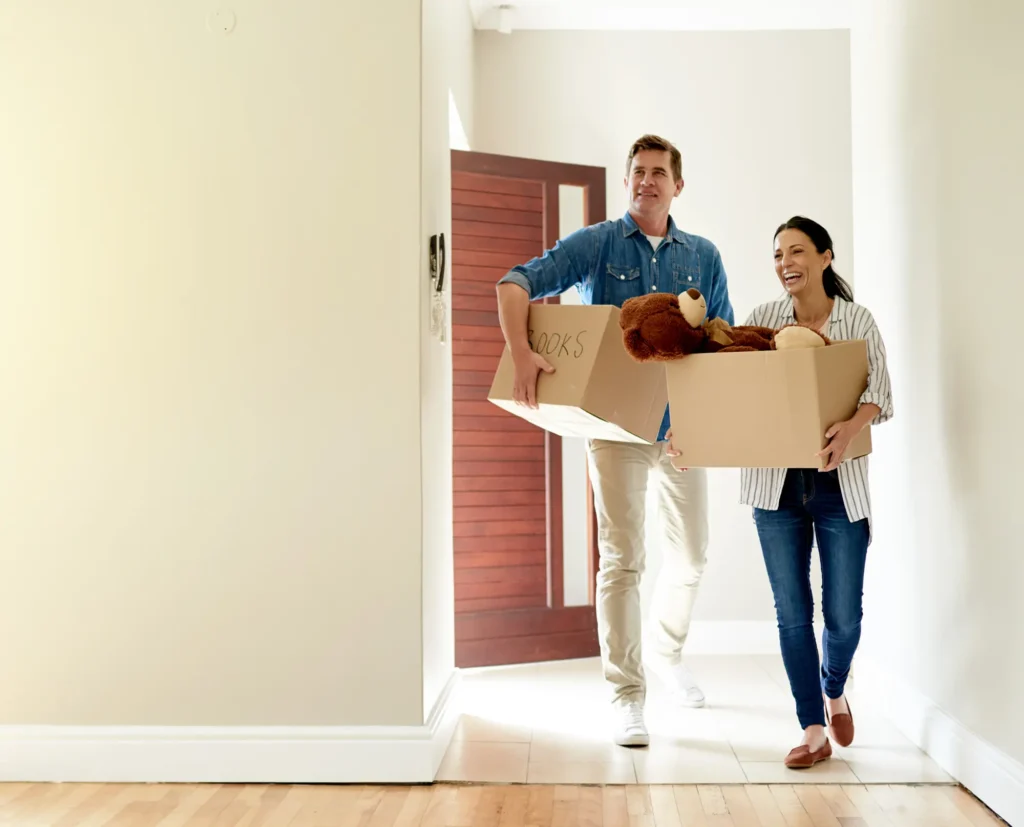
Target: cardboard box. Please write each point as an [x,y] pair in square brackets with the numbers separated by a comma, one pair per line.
[765,409]
[597,390]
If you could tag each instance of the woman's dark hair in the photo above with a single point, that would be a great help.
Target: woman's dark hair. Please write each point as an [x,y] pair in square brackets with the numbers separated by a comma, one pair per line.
[822,241]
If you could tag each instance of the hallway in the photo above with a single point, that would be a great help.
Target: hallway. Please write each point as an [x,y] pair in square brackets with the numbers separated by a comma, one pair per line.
[544,724]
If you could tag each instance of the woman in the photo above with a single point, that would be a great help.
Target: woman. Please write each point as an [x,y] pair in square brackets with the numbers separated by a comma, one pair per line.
[793,506]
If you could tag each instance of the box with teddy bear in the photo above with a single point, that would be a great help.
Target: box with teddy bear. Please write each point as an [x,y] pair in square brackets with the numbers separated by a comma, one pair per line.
[744,396]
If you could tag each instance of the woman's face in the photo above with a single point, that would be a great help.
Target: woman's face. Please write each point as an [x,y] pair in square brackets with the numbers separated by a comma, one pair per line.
[798,265]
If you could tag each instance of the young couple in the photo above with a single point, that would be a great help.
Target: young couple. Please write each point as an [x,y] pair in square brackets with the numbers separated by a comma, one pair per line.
[645,252]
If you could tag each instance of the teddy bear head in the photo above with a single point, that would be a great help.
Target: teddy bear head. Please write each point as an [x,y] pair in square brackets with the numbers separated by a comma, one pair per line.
[797,336]
[663,326]
[693,307]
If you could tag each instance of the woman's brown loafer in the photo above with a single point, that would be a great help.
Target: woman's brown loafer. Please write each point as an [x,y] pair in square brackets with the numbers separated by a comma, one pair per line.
[802,758]
[841,726]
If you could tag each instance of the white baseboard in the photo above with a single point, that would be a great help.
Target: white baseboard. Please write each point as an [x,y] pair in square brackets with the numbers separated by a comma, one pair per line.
[338,755]
[733,637]
[990,774]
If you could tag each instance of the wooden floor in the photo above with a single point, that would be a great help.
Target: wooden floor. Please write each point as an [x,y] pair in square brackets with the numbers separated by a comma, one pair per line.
[441,805]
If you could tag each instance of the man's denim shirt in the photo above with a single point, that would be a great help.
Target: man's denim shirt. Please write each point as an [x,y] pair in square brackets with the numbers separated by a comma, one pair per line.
[613,261]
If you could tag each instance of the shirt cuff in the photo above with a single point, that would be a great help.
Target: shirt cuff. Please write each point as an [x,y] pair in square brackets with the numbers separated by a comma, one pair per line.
[870,398]
[515,277]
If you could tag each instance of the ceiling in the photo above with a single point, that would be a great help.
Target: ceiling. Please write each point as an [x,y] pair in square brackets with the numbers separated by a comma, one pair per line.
[664,15]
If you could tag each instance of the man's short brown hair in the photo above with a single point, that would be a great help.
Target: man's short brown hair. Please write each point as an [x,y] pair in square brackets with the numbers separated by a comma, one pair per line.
[658,144]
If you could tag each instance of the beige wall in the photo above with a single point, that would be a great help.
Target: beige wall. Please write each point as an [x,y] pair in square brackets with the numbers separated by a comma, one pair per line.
[938,131]
[762,121]
[447,68]
[206,517]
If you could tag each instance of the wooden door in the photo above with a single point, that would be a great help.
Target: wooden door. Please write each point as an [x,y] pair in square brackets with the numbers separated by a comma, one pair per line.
[509,605]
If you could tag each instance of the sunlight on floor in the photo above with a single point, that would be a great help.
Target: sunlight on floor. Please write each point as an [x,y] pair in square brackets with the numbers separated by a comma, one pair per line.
[548,723]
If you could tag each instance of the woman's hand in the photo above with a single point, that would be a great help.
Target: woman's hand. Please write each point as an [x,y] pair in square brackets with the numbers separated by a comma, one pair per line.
[670,448]
[841,435]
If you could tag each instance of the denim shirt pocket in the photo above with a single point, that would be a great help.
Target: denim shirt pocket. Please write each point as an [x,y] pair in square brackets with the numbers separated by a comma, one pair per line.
[686,275]
[622,283]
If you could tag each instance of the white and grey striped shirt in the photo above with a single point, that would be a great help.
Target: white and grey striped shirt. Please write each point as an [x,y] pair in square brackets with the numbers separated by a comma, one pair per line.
[762,487]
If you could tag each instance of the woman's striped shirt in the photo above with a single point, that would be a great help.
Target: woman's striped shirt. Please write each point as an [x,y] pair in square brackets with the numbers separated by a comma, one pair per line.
[762,487]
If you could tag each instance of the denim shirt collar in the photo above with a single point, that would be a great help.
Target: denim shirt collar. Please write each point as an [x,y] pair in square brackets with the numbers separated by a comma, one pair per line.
[629,228]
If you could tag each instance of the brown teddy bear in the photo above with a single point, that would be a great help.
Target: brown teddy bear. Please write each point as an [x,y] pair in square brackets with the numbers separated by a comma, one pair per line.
[661,327]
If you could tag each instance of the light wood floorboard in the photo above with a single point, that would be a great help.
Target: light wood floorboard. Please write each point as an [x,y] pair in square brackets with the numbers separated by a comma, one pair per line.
[483,805]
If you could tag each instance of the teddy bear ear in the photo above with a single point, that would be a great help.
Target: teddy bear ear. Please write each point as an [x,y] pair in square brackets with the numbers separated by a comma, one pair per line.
[629,312]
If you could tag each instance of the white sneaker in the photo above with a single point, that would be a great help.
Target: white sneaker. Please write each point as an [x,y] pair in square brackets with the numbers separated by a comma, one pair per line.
[679,681]
[629,726]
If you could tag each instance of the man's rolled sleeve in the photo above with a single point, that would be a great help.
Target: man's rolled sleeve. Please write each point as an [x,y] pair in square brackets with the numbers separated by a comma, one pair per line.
[517,276]
[558,269]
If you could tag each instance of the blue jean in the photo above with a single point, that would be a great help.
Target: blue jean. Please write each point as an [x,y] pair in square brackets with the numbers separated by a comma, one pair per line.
[812,506]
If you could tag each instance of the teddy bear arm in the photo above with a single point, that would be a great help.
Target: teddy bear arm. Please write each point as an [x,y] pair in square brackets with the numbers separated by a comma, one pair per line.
[755,338]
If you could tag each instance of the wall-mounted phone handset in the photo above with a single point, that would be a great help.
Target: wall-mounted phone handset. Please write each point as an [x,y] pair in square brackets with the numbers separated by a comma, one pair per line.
[438,325]
[437,261]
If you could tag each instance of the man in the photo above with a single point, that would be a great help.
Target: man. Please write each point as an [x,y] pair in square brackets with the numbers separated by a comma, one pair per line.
[642,252]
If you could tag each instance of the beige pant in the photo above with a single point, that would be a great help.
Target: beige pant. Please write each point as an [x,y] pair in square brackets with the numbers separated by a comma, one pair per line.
[619,473]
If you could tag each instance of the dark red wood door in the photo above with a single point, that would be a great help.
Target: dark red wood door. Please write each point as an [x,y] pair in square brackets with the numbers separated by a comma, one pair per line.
[509,604]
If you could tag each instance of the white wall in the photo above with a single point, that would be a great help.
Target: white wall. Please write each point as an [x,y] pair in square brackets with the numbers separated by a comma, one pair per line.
[447,81]
[206,517]
[762,121]
[938,129]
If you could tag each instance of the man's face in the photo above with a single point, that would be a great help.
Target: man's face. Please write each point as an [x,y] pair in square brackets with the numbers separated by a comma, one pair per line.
[650,184]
